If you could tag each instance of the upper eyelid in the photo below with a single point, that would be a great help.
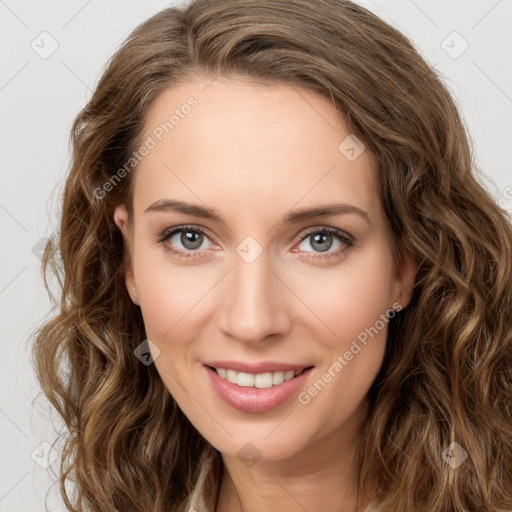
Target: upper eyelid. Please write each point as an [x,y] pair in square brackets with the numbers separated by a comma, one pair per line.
[166,233]
[327,229]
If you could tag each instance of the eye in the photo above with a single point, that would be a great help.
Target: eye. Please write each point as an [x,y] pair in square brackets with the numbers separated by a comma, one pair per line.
[185,241]
[321,240]
[190,241]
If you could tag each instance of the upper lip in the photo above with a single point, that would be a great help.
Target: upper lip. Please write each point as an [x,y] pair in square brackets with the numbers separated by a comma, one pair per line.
[262,367]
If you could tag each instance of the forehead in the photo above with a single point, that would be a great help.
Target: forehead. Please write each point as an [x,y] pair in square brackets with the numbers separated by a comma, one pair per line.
[250,144]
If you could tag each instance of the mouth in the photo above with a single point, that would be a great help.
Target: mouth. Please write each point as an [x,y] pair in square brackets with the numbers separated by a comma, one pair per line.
[257,392]
[261,380]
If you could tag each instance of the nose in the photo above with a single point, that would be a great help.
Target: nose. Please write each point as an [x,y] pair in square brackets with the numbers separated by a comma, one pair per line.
[255,302]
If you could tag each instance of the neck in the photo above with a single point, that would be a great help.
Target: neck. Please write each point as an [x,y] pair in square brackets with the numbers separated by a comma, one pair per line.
[321,476]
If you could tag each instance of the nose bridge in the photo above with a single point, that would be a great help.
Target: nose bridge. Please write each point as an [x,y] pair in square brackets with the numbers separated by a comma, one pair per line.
[254,306]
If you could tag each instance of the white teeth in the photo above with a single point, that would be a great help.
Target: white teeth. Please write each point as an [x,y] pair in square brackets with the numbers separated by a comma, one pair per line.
[245,379]
[277,378]
[260,380]
[263,380]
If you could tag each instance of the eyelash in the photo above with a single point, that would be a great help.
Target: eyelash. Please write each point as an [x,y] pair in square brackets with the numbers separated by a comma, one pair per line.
[344,238]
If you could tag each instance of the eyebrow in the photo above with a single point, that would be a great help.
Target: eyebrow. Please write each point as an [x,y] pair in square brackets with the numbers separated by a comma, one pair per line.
[300,215]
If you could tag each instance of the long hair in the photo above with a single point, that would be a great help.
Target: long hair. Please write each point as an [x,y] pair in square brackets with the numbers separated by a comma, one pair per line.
[447,372]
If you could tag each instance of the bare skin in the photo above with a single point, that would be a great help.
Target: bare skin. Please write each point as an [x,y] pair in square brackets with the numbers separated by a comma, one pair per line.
[255,153]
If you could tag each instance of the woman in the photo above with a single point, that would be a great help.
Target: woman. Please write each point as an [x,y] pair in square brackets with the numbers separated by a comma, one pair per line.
[283,287]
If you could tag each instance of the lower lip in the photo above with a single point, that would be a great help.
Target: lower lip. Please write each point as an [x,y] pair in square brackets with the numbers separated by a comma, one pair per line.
[255,400]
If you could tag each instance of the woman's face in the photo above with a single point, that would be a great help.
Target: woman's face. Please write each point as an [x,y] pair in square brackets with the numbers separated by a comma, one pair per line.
[253,279]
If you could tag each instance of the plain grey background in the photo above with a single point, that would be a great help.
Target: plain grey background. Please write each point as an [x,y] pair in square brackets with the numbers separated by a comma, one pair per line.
[52,56]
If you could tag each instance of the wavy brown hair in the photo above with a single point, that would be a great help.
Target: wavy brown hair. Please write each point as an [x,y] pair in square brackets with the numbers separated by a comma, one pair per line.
[447,371]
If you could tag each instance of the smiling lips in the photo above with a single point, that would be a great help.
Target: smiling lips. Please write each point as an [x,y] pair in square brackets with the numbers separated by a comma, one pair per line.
[257,387]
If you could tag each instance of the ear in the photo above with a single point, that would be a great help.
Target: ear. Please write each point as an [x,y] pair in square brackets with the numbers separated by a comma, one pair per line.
[121,219]
[406,270]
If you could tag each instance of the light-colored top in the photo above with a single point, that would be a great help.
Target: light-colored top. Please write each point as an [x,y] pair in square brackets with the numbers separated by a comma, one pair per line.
[197,501]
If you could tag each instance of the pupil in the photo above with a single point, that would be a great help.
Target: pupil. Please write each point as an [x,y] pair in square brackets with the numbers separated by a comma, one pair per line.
[191,239]
[319,239]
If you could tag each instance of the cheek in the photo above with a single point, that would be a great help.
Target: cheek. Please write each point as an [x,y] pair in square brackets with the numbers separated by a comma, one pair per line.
[351,299]
[356,306]
[169,295]
[356,309]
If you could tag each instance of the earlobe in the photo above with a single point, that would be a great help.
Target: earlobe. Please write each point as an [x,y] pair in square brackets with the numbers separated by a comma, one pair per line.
[406,278]
[121,221]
